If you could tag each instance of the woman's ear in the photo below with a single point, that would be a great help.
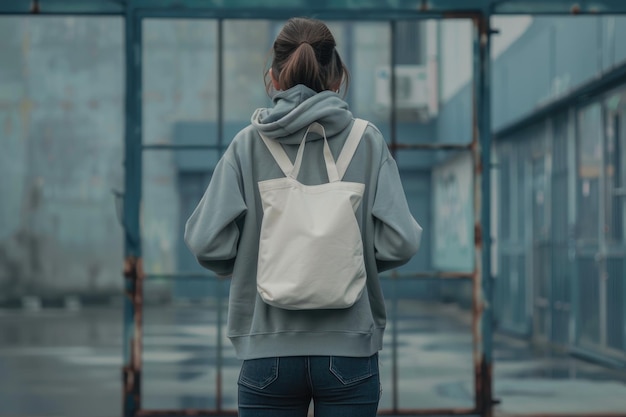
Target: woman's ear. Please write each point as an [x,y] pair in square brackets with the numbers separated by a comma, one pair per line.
[274,80]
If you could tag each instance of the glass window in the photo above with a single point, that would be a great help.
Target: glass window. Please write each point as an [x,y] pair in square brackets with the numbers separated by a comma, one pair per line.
[615,155]
[247,53]
[180,102]
[589,167]
[179,79]
[366,53]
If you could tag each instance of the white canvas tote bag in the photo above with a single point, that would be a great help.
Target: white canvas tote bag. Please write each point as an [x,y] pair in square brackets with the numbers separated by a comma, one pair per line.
[310,249]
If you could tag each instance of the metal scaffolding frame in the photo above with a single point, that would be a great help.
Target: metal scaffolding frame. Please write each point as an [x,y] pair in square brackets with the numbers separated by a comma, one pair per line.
[478,11]
[381,9]
[479,146]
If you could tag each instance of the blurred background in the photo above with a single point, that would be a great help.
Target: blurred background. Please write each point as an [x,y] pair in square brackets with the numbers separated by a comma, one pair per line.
[557,283]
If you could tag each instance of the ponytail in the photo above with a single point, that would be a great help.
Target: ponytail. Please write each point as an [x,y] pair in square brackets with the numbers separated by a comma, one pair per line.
[301,68]
[304,53]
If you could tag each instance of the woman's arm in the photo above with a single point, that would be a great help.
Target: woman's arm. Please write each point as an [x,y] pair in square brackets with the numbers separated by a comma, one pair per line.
[212,233]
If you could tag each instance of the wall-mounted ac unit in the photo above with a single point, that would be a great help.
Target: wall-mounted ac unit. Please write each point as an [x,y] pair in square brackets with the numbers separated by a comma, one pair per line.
[412,89]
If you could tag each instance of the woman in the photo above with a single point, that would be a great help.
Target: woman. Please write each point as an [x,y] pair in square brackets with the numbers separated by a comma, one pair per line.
[291,357]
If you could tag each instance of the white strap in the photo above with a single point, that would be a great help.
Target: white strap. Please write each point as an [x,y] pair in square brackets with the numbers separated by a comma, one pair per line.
[279,155]
[335,170]
[331,168]
[349,147]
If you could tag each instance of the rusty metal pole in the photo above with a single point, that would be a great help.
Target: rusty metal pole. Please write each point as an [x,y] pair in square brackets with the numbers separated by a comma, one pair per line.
[394,343]
[134,277]
[481,152]
[133,271]
[219,348]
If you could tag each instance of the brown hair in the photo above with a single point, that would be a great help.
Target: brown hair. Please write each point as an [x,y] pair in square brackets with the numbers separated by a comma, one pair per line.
[304,53]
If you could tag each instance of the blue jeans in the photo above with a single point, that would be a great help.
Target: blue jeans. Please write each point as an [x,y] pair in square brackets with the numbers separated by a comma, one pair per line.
[284,387]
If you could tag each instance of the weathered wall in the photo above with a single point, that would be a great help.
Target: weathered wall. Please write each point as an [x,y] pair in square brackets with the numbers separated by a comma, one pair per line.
[61,118]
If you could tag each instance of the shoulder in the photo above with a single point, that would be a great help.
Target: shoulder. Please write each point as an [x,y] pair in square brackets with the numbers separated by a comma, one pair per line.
[245,135]
[371,130]
[374,138]
[242,142]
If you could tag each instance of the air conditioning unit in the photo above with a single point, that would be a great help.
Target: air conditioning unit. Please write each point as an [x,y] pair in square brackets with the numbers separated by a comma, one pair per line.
[412,89]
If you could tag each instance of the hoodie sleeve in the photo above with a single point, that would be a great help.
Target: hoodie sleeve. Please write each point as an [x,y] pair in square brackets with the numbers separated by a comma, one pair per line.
[396,233]
[212,232]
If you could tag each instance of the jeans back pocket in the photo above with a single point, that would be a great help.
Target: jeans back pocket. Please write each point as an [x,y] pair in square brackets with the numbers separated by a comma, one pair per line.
[259,373]
[352,369]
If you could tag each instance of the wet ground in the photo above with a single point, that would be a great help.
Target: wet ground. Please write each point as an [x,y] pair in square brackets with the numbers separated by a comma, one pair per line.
[68,363]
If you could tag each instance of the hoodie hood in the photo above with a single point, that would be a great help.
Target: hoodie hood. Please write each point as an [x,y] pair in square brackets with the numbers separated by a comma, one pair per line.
[295,109]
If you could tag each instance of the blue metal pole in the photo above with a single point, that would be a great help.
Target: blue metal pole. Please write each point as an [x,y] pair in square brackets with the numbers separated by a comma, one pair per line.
[481,155]
[133,272]
[392,64]
[220,143]
[220,86]
[484,237]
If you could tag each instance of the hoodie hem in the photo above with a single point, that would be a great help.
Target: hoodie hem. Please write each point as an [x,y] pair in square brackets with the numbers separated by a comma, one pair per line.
[298,343]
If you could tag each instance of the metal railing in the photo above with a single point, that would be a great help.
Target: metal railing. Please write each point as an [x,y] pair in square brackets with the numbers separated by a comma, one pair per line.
[479,147]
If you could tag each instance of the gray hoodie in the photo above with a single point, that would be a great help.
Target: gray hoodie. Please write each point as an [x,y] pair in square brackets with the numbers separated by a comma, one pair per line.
[223,231]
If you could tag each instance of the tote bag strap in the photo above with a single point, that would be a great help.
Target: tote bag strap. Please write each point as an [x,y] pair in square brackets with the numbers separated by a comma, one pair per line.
[349,148]
[279,155]
[335,170]
[292,170]
[331,168]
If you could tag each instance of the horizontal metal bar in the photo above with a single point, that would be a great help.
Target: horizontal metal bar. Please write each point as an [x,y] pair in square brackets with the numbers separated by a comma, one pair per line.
[76,7]
[347,9]
[283,13]
[558,7]
[588,414]
[45,14]
[437,275]
[434,275]
[181,413]
[401,146]
[431,146]
[400,412]
[165,147]
[182,275]
[429,412]
[410,7]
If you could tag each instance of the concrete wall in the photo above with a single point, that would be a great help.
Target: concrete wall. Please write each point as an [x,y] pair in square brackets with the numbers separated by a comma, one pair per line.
[61,124]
